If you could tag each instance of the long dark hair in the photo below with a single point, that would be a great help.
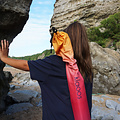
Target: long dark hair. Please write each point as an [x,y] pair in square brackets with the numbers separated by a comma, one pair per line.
[79,40]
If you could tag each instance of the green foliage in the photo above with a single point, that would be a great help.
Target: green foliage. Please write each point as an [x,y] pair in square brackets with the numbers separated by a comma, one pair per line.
[94,34]
[116,37]
[35,56]
[75,20]
[118,45]
[112,24]
[107,31]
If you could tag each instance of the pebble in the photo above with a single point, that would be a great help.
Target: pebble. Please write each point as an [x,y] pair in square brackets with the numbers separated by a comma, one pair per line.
[119,99]
[118,108]
[98,99]
[40,103]
[111,104]
[12,87]
[17,87]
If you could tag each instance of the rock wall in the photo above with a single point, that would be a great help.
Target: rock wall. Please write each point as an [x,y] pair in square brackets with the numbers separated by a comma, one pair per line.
[106,68]
[13,16]
[88,12]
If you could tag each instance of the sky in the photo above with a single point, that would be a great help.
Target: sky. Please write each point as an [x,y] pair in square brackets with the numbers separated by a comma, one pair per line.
[35,36]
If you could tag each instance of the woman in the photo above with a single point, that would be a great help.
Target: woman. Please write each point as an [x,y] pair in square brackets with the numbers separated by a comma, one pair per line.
[51,72]
[79,40]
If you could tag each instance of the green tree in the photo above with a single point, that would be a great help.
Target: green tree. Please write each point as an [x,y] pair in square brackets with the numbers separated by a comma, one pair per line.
[108,31]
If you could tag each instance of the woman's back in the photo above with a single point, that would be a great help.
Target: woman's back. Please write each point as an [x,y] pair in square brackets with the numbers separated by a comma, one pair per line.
[51,75]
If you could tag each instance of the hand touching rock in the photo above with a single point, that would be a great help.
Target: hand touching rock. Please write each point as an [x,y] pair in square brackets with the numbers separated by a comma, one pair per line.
[4,49]
[20,64]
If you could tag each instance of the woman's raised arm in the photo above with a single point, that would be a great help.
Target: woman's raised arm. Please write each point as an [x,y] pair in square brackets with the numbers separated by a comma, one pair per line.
[4,50]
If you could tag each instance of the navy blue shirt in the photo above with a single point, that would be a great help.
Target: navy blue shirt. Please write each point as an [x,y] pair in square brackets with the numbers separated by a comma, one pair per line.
[51,75]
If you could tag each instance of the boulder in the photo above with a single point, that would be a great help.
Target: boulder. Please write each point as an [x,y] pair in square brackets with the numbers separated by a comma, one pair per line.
[5,78]
[106,69]
[22,95]
[13,17]
[18,108]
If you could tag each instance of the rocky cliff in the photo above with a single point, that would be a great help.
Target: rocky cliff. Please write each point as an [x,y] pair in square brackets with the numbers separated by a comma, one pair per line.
[88,12]
[13,16]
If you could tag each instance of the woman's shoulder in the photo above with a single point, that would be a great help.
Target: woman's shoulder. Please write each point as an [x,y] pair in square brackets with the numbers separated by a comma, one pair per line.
[53,57]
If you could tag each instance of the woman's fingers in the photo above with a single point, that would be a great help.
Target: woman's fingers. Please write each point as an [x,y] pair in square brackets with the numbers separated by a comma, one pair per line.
[7,44]
[4,44]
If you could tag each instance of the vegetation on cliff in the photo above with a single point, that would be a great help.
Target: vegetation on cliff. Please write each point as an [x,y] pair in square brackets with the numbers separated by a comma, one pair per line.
[107,34]
[42,55]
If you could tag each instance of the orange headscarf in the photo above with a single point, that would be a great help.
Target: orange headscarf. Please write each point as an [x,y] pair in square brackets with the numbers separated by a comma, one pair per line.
[62,46]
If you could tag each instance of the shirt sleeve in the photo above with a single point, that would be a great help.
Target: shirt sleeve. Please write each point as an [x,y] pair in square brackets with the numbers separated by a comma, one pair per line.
[39,69]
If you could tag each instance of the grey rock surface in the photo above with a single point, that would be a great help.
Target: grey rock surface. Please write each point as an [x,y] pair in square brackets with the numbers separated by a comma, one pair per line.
[111,104]
[88,12]
[106,69]
[24,80]
[28,92]
[117,117]
[119,99]
[100,113]
[105,96]
[18,107]
[98,99]
[39,103]
[118,108]
[22,95]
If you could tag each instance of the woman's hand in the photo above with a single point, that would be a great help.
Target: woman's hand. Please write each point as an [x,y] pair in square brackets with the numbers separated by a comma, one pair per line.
[20,64]
[4,49]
